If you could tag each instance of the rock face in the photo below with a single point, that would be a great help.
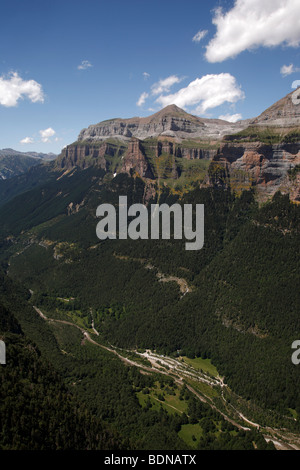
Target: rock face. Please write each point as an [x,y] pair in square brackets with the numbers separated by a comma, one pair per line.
[285,113]
[87,155]
[267,167]
[136,158]
[132,157]
[170,121]
[155,147]
[135,161]
[179,150]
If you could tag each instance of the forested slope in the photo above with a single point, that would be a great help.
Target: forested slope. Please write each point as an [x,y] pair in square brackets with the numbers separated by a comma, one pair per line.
[241,308]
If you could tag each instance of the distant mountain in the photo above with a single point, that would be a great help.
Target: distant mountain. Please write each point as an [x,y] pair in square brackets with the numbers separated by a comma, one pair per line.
[14,163]
[170,121]
[43,156]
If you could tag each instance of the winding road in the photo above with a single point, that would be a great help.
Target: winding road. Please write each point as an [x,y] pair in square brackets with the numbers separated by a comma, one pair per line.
[282,439]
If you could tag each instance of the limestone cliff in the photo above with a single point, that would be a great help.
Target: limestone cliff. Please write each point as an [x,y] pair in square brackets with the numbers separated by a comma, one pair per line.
[284,114]
[134,157]
[263,152]
[84,155]
[266,167]
[135,160]
[170,121]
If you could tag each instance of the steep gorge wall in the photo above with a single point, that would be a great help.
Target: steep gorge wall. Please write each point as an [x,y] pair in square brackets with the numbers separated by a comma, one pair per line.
[238,165]
[85,155]
[267,167]
[132,157]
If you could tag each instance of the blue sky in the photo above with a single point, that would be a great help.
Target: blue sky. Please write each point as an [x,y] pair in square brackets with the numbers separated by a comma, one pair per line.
[67,64]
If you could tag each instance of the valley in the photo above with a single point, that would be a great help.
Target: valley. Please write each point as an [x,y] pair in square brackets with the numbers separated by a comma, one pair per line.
[149,231]
[167,348]
[215,392]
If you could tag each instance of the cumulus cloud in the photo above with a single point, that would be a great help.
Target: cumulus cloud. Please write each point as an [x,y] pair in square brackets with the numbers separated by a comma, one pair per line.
[85,64]
[199,36]
[288,70]
[205,93]
[13,88]
[164,85]
[27,140]
[146,75]
[46,134]
[231,117]
[254,23]
[142,99]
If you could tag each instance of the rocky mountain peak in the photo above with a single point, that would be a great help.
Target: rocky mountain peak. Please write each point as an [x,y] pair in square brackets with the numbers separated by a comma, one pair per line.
[170,121]
[173,111]
[284,113]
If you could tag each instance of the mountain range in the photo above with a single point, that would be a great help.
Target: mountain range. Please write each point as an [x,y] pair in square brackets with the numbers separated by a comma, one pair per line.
[155,346]
[14,163]
[170,122]
[172,145]
[177,123]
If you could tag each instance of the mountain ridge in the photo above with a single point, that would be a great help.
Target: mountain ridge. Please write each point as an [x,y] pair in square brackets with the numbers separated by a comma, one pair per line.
[175,122]
[260,155]
[169,146]
[14,163]
[170,121]
[283,114]
[43,156]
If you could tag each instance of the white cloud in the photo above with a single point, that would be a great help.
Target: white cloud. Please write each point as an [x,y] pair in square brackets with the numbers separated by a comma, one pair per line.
[142,99]
[199,36]
[164,85]
[253,23]
[288,70]
[13,88]
[207,92]
[46,134]
[85,64]
[27,140]
[231,117]
[146,75]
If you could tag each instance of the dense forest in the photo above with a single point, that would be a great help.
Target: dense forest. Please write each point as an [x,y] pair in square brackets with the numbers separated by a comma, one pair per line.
[37,412]
[95,407]
[240,310]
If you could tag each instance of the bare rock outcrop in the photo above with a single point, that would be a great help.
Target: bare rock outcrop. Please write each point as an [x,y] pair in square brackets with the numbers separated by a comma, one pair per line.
[266,167]
[284,114]
[135,160]
[170,121]
[85,155]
